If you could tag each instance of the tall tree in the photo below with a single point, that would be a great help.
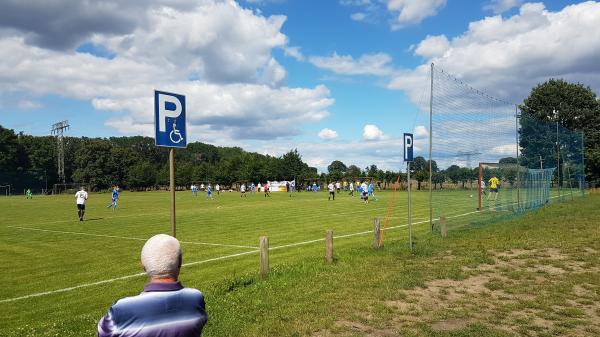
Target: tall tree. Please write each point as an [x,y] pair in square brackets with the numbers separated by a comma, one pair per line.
[338,166]
[573,106]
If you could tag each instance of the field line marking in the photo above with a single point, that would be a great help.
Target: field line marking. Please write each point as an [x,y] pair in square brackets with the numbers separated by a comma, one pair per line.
[124,237]
[85,285]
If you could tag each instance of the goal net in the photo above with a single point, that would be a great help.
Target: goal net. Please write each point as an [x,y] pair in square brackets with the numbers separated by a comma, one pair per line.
[5,190]
[529,161]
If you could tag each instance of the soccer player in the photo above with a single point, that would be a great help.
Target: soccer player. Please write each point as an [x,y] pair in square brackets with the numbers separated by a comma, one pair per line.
[364,190]
[266,188]
[482,187]
[314,187]
[331,189]
[194,190]
[243,190]
[28,194]
[114,197]
[80,197]
[218,189]
[209,192]
[252,188]
[370,191]
[292,187]
[493,188]
[351,189]
[202,187]
[338,186]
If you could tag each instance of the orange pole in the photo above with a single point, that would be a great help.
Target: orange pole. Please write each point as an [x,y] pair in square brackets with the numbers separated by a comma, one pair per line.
[389,210]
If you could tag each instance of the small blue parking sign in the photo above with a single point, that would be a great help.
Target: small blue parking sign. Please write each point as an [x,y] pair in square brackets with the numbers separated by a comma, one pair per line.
[169,119]
[408,147]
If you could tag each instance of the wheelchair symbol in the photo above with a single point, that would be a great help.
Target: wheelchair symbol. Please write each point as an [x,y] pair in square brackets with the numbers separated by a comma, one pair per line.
[174,134]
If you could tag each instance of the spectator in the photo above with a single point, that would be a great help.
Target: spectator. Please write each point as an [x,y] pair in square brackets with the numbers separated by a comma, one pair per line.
[165,307]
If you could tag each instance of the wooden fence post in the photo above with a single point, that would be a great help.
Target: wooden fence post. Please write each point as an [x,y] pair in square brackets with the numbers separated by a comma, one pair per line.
[264,256]
[443,226]
[329,246]
[376,233]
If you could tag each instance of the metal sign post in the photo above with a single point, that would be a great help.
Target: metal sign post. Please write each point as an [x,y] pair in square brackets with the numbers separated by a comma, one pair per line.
[169,112]
[408,158]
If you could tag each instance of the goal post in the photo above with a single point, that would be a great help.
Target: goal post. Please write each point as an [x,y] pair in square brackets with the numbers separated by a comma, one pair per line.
[5,190]
[68,188]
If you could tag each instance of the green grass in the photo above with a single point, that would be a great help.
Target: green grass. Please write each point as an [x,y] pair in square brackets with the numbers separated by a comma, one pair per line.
[303,295]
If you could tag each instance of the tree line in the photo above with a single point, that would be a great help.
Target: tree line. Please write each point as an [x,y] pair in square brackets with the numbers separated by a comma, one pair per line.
[135,163]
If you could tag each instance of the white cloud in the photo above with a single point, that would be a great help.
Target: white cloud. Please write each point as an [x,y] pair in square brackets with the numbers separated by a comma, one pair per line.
[369,64]
[293,52]
[501,6]
[506,57]
[219,41]
[433,46]
[506,149]
[372,132]
[400,13]
[216,53]
[359,16]
[29,105]
[420,131]
[409,12]
[328,134]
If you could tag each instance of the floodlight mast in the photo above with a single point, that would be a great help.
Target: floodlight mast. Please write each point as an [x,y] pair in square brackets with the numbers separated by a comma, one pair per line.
[58,130]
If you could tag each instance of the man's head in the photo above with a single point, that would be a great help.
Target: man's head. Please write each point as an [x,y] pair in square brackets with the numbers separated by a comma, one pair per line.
[161,257]
[82,188]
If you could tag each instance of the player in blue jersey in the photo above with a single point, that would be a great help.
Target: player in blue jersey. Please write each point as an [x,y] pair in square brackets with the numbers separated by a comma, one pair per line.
[194,189]
[370,190]
[115,197]
[209,192]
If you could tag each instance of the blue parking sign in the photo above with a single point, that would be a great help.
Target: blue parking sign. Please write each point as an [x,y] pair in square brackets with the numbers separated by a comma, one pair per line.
[408,147]
[169,119]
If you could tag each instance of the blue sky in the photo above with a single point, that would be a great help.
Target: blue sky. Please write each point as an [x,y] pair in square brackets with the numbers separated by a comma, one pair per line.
[337,79]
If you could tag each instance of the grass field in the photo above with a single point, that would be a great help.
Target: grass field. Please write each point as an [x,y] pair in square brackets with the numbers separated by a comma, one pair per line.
[61,275]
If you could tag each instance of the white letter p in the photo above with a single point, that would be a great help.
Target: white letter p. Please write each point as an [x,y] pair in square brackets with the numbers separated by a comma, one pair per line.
[163,113]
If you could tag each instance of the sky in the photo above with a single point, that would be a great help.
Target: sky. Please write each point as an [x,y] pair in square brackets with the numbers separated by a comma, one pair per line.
[336,79]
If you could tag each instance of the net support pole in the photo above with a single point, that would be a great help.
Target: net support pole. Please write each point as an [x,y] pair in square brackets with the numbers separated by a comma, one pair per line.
[582,184]
[480,180]
[430,154]
[558,157]
[172,186]
[518,162]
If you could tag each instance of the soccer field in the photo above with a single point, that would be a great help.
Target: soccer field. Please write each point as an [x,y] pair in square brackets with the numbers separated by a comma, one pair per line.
[61,275]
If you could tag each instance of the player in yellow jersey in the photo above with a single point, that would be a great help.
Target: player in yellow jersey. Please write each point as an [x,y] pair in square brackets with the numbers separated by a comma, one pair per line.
[493,188]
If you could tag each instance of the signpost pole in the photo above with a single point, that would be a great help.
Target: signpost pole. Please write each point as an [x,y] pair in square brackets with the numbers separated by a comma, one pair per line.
[408,158]
[172,186]
[410,243]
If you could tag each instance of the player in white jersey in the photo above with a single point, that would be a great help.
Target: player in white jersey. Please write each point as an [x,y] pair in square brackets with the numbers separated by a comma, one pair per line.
[331,189]
[243,190]
[81,196]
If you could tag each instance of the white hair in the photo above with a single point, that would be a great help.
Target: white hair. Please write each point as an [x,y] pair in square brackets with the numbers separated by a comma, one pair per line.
[161,256]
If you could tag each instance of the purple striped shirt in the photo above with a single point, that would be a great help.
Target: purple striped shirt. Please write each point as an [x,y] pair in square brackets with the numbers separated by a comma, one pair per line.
[161,310]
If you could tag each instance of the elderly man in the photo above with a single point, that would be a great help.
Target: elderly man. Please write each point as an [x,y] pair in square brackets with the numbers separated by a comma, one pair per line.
[165,307]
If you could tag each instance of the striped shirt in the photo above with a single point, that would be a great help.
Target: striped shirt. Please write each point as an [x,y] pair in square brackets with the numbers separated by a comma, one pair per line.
[162,309]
